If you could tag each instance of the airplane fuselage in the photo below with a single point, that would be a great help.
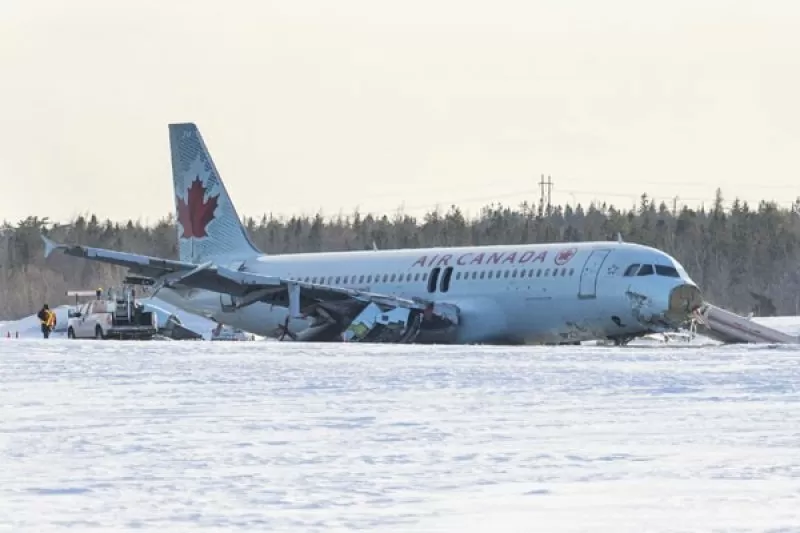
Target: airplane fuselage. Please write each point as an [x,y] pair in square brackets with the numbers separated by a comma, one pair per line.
[541,293]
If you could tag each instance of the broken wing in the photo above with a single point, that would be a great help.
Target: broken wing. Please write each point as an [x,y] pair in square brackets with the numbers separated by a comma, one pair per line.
[153,267]
[247,287]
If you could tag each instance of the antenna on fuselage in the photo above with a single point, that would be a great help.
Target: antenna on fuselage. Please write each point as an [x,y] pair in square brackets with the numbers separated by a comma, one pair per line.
[619,237]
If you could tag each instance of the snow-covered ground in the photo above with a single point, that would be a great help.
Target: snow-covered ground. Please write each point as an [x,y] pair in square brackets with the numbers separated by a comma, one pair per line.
[290,437]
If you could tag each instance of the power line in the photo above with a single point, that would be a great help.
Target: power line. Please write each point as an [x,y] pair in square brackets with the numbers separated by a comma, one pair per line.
[599,198]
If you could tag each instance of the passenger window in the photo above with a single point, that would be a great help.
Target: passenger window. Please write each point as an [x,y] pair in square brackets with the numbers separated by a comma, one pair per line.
[338,280]
[424,276]
[474,275]
[571,271]
[361,279]
[386,278]
[514,274]
[369,278]
[645,270]
[563,272]
[631,270]
[506,274]
[668,271]
[483,273]
[416,276]
[546,272]
[539,273]
[408,278]
[458,275]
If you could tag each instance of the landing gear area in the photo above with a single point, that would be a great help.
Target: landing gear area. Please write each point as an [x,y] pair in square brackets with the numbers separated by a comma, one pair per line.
[621,340]
[374,323]
[400,326]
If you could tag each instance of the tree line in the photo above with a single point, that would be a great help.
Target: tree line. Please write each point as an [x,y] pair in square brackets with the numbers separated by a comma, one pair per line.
[744,257]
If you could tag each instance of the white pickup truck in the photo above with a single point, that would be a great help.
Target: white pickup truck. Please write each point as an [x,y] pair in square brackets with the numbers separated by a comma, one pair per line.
[110,319]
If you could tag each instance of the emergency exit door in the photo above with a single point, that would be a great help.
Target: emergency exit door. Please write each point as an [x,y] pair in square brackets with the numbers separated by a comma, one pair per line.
[590,273]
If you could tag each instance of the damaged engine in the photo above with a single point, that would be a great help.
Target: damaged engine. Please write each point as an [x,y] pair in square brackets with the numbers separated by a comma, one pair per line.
[352,321]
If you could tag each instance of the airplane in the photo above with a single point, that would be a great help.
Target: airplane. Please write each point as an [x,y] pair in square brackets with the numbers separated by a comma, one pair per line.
[554,293]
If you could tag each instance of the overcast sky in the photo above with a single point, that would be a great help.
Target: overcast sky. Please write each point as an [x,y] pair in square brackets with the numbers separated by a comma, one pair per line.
[310,104]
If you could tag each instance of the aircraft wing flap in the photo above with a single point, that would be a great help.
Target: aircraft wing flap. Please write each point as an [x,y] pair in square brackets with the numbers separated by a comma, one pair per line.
[225,280]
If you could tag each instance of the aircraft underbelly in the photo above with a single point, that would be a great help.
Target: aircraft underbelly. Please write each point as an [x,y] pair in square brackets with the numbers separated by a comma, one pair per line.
[262,319]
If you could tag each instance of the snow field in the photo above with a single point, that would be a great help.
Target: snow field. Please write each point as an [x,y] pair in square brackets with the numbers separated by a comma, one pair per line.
[290,437]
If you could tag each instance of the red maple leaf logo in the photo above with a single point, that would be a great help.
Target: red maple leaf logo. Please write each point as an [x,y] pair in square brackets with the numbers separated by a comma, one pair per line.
[564,256]
[195,213]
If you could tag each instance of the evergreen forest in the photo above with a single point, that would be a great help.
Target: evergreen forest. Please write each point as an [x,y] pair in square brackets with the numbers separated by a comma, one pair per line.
[744,257]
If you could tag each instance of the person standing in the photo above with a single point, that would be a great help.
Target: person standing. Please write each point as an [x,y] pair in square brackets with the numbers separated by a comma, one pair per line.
[47,318]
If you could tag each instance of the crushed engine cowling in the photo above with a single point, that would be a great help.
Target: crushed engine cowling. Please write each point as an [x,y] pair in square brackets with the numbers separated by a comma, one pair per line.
[373,323]
[400,325]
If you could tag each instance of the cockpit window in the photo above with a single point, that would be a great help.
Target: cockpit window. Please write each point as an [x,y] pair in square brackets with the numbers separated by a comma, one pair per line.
[668,271]
[648,270]
[631,270]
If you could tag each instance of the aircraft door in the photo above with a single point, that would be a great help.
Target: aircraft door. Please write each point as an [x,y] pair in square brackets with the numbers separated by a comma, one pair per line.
[590,273]
[434,277]
[444,286]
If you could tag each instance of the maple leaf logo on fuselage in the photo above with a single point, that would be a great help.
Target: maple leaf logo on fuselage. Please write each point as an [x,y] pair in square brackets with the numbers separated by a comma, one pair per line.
[565,255]
[195,213]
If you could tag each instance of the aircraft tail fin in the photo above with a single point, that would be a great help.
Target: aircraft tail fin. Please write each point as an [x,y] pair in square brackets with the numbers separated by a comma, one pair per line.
[208,225]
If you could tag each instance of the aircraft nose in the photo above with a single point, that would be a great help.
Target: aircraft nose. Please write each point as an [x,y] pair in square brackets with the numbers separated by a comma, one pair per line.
[683,301]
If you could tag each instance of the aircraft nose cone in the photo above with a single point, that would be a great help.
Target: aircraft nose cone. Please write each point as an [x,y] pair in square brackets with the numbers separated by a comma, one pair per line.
[683,301]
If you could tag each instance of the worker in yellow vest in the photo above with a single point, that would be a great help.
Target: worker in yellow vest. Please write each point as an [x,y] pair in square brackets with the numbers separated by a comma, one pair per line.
[48,320]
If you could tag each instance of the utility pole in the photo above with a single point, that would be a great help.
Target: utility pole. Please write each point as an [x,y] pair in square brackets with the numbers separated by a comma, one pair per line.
[541,197]
[548,196]
[675,206]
